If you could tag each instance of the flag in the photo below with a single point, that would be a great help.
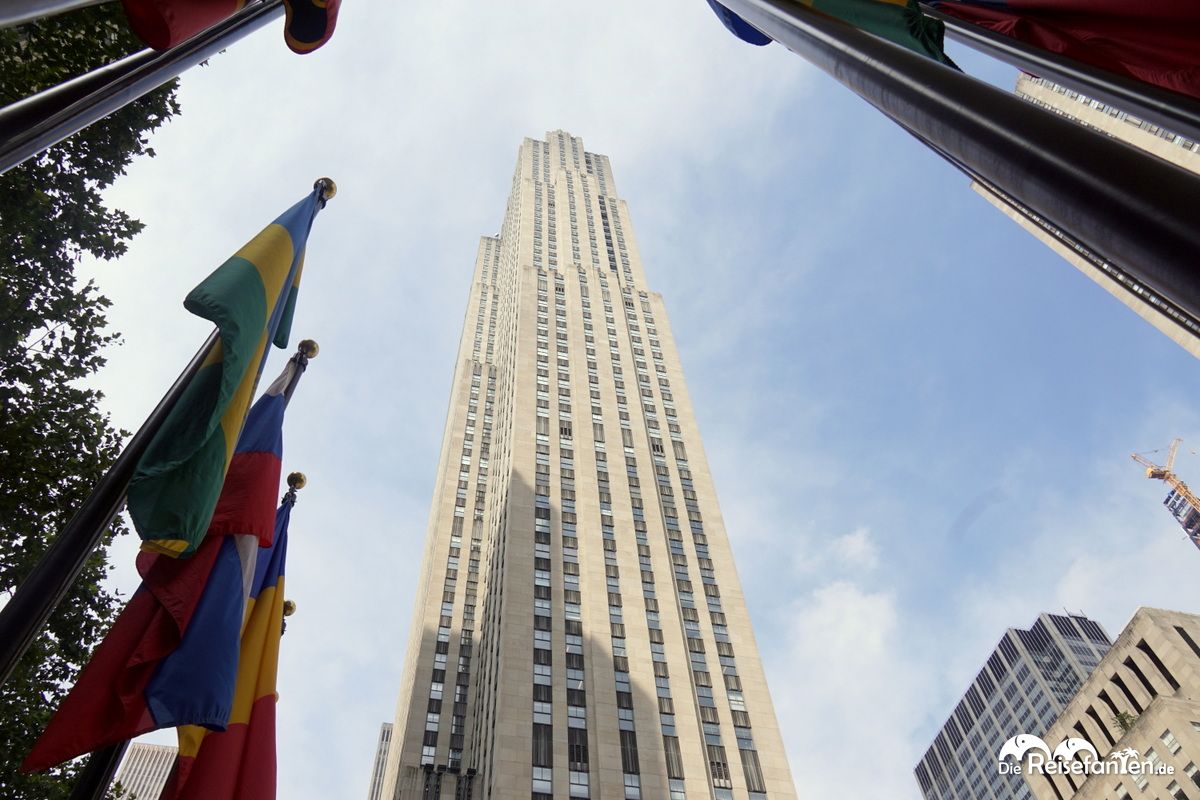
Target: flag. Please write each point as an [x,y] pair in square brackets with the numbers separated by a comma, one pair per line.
[1154,42]
[899,21]
[162,24]
[174,491]
[738,26]
[310,23]
[239,762]
[171,657]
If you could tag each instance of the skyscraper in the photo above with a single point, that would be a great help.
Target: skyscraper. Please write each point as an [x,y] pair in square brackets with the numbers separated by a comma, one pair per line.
[1171,320]
[375,792]
[145,768]
[1145,695]
[579,630]
[1026,683]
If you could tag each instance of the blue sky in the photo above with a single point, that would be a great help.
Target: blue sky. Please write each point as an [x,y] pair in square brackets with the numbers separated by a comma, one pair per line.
[918,418]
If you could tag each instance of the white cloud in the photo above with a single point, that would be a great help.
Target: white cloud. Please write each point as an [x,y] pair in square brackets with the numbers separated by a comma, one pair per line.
[854,688]
[856,549]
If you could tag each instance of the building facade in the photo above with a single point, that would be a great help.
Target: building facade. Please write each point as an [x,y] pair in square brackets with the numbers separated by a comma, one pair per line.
[377,767]
[580,629]
[145,769]
[1145,695]
[1168,318]
[1026,683]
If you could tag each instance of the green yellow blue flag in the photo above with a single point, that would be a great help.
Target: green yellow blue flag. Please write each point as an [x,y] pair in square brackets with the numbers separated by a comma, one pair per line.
[250,298]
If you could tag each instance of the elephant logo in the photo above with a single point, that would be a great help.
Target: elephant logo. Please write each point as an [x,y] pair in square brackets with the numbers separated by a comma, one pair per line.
[1019,745]
[1071,748]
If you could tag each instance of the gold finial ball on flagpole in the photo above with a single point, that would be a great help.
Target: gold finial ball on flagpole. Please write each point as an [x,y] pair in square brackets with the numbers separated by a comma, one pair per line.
[327,186]
[297,480]
[309,348]
[289,607]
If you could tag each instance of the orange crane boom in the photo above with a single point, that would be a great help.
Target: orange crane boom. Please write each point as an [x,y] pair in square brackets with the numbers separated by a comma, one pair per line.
[1181,501]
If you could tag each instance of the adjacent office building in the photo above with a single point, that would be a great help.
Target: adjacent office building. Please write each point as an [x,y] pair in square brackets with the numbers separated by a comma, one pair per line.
[145,769]
[1145,695]
[580,629]
[1025,685]
[1159,311]
[377,768]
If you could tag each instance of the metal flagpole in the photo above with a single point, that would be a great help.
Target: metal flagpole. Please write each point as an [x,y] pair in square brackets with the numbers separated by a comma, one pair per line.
[18,12]
[1124,205]
[1175,112]
[1113,271]
[46,118]
[36,597]
[97,775]
[94,781]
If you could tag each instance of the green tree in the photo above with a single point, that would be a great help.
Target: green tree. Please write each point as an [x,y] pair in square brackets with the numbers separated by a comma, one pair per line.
[1124,720]
[55,443]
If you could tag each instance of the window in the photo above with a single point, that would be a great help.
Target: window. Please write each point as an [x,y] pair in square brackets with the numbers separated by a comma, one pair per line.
[674,757]
[753,770]
[577,749]
[629,756]
[718,767]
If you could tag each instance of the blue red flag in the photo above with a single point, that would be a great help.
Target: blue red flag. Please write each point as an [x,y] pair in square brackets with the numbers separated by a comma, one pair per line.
[171,657]
[239,762]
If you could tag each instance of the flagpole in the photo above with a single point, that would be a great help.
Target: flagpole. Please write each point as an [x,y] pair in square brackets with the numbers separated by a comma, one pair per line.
[46,118]
[97,775]
[18,12]
[36,597]
[1159,305]
[1126,206]
[1176,112]
[305,351]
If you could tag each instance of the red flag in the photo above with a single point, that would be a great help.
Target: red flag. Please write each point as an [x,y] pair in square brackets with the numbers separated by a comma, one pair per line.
[108,704]
[1153,42]
[162,24]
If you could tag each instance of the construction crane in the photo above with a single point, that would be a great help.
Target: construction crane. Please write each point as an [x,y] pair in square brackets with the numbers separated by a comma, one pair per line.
[1181,501]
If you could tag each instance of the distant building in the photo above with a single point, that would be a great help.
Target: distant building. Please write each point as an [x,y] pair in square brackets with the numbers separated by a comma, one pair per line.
[381,753]
[1026,683]
[145,769]
[1145,695]
[1176,323]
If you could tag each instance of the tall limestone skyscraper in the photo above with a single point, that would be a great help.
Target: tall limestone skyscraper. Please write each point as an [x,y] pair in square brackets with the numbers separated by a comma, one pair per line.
[579,628]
